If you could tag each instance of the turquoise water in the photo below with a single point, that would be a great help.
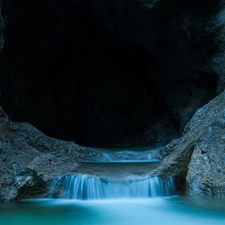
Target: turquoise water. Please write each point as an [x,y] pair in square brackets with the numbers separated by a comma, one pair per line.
[140,149]
[106,180]
[84,187]
[129,154]
[131,169]
[158,211]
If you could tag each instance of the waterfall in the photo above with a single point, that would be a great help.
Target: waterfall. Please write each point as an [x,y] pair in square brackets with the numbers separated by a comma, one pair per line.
[86,187]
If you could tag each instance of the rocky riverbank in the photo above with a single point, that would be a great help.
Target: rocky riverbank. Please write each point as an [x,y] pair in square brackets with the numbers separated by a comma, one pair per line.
[196,160]
[30,160]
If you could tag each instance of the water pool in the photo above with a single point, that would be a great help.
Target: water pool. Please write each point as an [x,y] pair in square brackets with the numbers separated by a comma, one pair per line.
[176,210]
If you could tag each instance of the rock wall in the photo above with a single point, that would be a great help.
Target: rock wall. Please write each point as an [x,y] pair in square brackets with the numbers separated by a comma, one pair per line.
[205,174]
[111,73]
[196,160]
[30,160]
[2,26]
[21,147]
[60,74]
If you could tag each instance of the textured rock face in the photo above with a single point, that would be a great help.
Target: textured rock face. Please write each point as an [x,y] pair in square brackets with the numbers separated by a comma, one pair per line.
[197,158]
[175,54]
[29,159]
[206,169]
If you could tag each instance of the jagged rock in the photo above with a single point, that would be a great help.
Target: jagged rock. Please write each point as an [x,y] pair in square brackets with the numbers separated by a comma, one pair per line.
[29,159]
[186,41]
[205,174]
[197,158]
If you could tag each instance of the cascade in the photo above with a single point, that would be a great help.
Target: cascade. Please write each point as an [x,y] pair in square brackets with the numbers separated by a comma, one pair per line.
[125,175]
[84,186]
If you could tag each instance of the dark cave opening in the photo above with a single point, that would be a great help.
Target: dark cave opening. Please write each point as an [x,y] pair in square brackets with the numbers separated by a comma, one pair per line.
[74,80]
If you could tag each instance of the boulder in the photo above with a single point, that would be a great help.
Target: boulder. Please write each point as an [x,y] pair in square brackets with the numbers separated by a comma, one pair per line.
[205,174]
[196,160]
[30,160]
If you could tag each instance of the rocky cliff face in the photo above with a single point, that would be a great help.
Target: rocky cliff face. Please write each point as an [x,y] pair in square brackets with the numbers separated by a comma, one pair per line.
[187,38]
[21,147]
[196,159]
[111,73]
[205,174]
[32,160]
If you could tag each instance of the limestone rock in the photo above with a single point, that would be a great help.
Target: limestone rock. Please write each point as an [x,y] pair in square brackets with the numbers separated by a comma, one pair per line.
[197,158]
[30,159]
[206,169]
[186,38]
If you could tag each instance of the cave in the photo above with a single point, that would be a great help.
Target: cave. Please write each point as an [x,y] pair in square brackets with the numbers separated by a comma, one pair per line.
[65,72]
[112,100]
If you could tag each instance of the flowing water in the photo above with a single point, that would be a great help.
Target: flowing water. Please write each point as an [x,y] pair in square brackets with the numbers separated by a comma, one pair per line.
[130,154]
[118,192]
[124,175]
[86,187]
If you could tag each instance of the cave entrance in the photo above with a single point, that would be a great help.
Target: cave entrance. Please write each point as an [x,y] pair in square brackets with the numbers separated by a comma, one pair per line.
[72,79]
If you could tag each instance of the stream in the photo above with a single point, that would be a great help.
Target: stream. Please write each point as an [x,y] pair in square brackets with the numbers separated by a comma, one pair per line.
[117,192]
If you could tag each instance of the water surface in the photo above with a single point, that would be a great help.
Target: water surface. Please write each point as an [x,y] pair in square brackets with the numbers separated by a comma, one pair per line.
[175,210]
